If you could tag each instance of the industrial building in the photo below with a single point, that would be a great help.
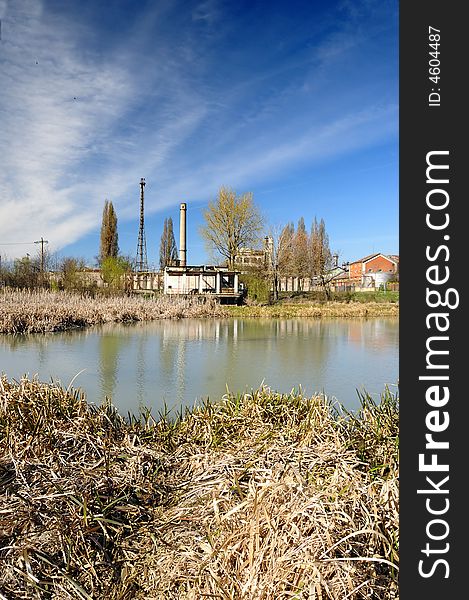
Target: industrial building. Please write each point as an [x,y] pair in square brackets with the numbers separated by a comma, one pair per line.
[184,280]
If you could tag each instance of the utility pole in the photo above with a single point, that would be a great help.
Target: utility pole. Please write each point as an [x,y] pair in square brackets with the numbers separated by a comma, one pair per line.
[42,241]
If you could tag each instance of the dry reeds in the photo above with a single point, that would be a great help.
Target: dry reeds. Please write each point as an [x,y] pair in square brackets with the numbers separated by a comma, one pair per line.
[258,496]
[41,311]
[44,311]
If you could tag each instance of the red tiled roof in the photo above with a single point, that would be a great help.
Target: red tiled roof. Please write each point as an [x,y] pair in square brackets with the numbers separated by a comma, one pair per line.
[393,257]
[365,258]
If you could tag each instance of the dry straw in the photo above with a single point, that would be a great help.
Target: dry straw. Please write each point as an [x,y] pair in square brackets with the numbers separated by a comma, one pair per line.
[259,496]
[23,311]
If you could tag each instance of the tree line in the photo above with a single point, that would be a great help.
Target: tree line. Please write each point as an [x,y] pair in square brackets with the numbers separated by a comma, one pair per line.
[297,253]
[234,222]
[231,222]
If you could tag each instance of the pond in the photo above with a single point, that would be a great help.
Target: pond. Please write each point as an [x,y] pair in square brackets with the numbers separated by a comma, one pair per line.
[178,362]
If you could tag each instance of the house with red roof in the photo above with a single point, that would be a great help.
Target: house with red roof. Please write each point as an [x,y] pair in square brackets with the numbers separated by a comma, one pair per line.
[372,271]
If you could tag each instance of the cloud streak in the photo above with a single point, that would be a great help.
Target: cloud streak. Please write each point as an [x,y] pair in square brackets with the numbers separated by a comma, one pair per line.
[81,124]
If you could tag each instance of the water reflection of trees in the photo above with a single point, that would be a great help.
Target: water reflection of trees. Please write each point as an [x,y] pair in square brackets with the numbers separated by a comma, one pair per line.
[177,361]
[271,351]
[40,341]
[110,347]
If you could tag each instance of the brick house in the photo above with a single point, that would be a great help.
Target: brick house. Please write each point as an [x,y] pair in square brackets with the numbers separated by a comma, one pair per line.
[373,269]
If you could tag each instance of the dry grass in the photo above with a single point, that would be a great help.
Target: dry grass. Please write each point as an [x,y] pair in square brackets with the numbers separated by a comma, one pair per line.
[317,310]
[44,311]
[260,496]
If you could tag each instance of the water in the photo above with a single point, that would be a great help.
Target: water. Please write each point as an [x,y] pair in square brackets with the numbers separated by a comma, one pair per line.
[180,362]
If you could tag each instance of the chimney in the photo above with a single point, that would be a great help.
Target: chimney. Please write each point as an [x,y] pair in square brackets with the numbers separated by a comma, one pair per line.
[182,236]
[335,260]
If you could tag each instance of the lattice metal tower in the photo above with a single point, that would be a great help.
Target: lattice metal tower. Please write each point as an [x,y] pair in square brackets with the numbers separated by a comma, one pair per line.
[141,262]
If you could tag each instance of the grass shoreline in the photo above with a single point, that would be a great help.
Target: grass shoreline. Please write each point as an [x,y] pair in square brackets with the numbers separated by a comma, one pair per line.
[45,311]
[254,497]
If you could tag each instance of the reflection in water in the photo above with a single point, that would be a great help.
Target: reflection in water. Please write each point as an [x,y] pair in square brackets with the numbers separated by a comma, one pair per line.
[180,362]
[110,347]
[141,367]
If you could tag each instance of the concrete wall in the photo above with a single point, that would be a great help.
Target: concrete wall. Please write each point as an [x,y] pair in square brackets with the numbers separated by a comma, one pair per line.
[148,281]
[195,281]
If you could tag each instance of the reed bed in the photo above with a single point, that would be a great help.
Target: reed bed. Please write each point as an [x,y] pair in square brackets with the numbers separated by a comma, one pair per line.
[44,311]
[318,310]
[259,496]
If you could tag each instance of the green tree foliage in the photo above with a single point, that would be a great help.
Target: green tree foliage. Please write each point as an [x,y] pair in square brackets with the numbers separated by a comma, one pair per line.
[71,273]
[25,273]
[114,271]
[168,248]
[231,222]
[258,285]
[109,238]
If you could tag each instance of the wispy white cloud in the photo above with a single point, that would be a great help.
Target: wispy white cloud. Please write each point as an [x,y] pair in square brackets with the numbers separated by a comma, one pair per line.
[80,125]
[60,114]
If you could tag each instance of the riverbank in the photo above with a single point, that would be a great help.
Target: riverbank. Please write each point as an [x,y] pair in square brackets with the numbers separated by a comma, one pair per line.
[45,311]
[287,310]
[255,497]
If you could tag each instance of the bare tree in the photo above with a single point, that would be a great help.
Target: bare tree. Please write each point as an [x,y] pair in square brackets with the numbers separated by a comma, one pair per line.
[168,248]
[280,255]
[231,222]
[109,238]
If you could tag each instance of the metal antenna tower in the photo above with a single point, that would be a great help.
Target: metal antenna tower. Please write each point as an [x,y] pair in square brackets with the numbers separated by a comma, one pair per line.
[141,263]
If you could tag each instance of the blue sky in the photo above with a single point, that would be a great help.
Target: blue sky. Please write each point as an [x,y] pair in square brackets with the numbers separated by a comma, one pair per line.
[296,102]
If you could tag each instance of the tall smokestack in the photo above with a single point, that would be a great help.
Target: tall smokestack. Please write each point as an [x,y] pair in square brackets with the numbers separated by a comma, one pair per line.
[182,236]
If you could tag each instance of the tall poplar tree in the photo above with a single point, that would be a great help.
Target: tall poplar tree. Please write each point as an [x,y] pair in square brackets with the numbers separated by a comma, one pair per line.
[300,251]
[168,248]
[320,253]
[280,257]
[109,247]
